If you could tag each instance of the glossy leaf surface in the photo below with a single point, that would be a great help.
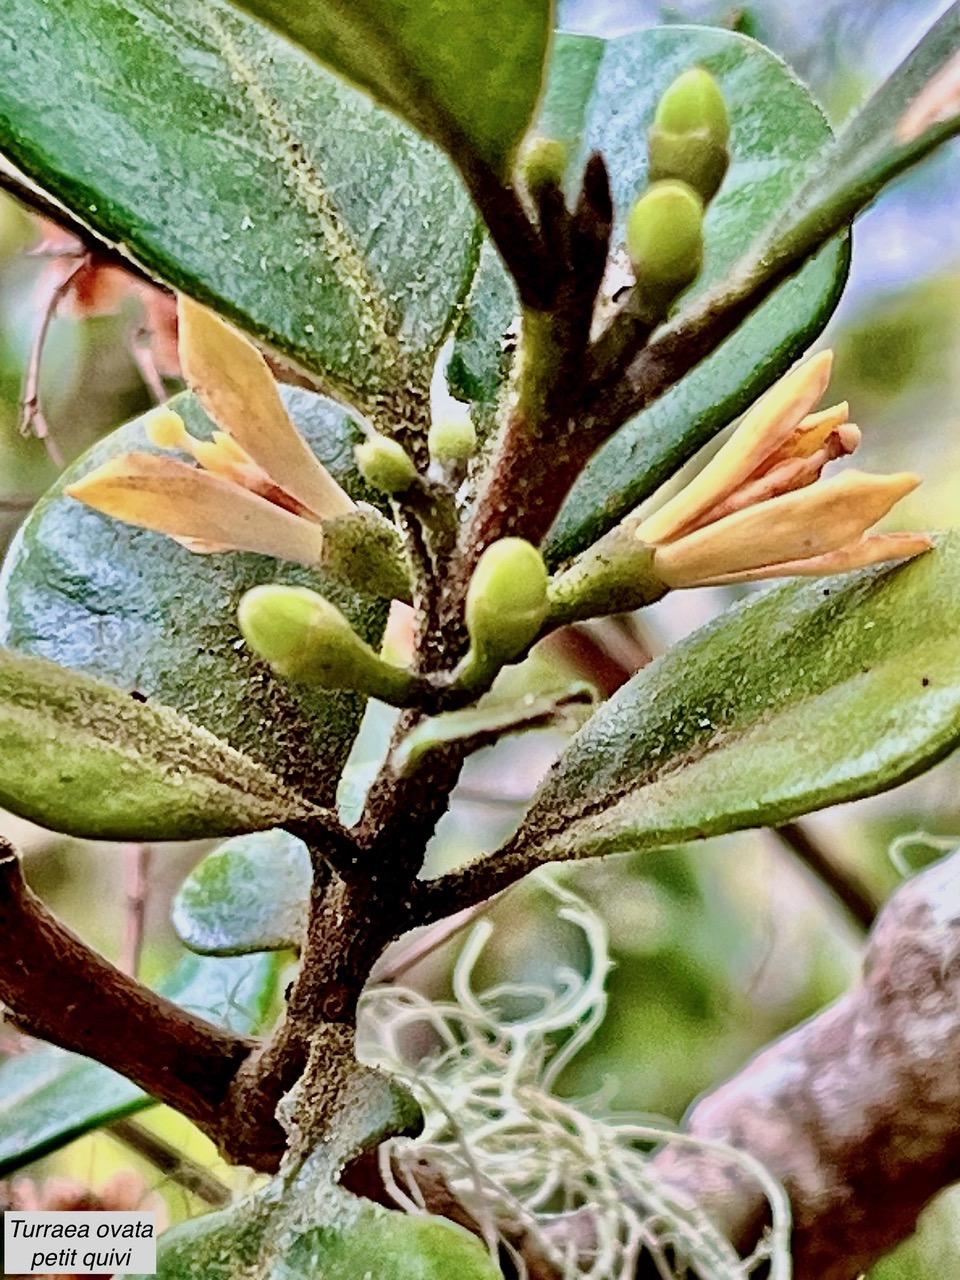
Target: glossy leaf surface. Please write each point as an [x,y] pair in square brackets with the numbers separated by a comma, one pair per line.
[249,894]
[49,1097]
[805,695]
[136,609]
[239,171]
[467,76]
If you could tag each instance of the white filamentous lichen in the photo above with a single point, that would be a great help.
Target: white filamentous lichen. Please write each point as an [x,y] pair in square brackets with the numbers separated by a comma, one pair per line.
[520,1158]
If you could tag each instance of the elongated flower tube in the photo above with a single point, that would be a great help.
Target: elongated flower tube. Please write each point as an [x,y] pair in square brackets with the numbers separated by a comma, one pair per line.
[258,486]
[760,510]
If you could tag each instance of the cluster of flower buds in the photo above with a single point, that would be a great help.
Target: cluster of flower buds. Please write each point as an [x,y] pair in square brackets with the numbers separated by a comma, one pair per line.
[688,155]
[759,509]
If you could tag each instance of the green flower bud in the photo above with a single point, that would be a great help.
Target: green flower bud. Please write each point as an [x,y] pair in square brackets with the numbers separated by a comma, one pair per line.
[665,242]
[694,101]
[506,605]
[690,133]
[304,637]
[385,464]
[452,441]
[543,162]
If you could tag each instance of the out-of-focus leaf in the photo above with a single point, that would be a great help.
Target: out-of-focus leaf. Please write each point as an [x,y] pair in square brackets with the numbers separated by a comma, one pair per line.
[84,758]
[49,1097]
[238,170]
[804,696]
[138,610]
[250,894]
[601,95]
[932,1251]
[468,76]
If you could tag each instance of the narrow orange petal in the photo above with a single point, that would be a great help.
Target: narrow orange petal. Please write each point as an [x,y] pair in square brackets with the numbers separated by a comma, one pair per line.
[874,549]
[234,384]
[763,430]
[795,526]
[172,497]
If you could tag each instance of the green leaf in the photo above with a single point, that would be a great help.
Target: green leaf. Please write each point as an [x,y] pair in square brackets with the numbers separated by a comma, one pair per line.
[370,1241]
[496,715]
[601,95]
[304,1223]
[84,758]
[250,894]
[467,76]
[49,1097]
[239,171]
[804,696]
[136,609]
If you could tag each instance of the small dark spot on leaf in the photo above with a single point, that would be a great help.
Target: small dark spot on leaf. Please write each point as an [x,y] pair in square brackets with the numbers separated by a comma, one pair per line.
[137,696]
[925,680]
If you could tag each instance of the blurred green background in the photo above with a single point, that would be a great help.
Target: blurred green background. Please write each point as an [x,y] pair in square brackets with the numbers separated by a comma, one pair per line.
[718,947]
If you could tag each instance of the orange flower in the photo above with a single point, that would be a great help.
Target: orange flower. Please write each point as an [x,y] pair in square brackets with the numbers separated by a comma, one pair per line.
[258,486]
[759,508]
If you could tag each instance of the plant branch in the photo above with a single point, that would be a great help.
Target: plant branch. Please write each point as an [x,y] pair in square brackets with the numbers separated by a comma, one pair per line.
[60,990]
[516,237]
[544,416]
[32,419]
[842,882]
[171,1162]
[857,1112]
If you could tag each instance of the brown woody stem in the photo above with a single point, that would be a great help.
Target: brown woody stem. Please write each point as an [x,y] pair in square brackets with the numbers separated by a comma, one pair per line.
[60,990]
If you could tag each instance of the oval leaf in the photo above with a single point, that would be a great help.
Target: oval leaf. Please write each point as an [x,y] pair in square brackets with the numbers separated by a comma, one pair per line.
[81,757]
[250,894]
[138,610]
[803,696]
[49,1097]
[239,171]
[468,76]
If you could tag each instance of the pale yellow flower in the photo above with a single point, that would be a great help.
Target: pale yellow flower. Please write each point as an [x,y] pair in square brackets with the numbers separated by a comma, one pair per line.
[759,508]
[258,486]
